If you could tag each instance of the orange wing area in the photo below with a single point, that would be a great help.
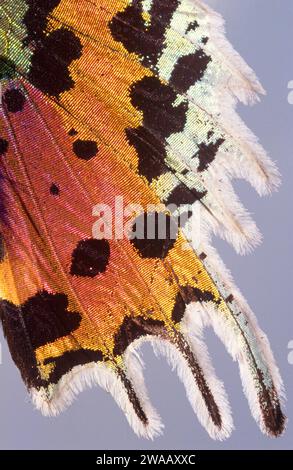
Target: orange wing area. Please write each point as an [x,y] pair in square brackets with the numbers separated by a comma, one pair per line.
[73,305]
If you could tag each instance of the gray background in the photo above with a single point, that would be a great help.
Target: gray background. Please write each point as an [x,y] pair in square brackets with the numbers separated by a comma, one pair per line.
[261,30]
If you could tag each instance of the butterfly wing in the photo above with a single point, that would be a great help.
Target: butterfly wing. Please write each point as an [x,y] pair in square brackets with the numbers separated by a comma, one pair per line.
[126,100]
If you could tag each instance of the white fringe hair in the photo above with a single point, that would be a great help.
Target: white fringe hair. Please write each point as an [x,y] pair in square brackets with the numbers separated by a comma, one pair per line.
[86,376]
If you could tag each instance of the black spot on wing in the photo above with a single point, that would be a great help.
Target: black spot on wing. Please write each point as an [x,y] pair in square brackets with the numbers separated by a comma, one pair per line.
[154,234]
[45,317]
[230,299]
[53,54]
[65,363]
[183,195]
[210,134]
[134,328]
[178,308]
[150,150]
[207,153]
[90,258]
[73,132]
[128,28]
[85,149]
[40,320]
[54,189]
[185,296]
[156,100]
[188,70]
[192,26]
[160,120]
[3,146]
[143,38]
[201,295]
[36,17]
[13,100]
